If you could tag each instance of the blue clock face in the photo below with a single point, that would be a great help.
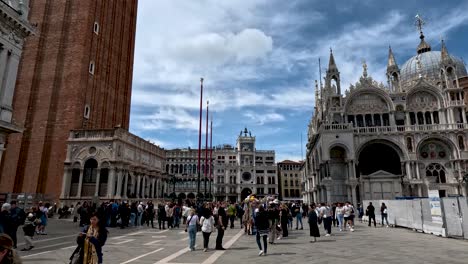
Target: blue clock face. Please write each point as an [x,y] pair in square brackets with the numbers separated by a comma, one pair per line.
[246,176]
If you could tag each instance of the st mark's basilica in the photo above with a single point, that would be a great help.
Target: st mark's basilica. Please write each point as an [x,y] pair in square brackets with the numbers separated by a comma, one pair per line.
[377,141]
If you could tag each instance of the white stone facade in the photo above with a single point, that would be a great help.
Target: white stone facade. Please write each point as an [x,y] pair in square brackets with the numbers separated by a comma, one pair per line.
[112,164]
[384,141]
[244,170]
[14,28]
[235,171]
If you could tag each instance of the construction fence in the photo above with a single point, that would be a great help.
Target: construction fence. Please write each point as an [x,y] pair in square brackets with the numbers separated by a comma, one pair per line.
[450,219]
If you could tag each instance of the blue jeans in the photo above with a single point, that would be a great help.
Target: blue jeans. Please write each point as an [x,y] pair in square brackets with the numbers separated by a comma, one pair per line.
[340,220]
[132,219]
[140,216]
[192,232]
[299,220]
[259,244]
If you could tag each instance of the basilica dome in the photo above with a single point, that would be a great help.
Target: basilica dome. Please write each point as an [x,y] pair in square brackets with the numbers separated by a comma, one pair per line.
[430,67]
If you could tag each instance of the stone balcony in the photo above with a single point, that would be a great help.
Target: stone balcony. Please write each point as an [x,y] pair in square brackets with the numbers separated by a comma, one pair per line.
[333,128]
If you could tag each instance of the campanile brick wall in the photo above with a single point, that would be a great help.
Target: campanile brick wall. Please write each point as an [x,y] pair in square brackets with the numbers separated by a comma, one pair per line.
[54,86]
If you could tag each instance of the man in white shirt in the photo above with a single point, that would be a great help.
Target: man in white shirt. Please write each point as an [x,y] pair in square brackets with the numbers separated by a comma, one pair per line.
[140,213]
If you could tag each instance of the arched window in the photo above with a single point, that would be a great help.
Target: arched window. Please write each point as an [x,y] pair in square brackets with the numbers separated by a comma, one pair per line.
[437,172]
[427,115]
[409,144]
[90,171]
[461,142]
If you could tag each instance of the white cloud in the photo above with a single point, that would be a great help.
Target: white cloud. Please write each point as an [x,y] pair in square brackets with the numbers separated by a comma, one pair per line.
[263,118]
[167,118]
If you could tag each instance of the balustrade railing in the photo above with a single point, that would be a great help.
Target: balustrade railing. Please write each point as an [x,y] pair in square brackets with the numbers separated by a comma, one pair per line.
[393,129]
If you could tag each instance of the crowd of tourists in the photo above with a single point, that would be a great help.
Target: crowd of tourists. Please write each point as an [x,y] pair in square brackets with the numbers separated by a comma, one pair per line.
[268,219]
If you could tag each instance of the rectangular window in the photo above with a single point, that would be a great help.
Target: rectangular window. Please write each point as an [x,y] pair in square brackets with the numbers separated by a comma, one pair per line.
[96,28]
[91,67]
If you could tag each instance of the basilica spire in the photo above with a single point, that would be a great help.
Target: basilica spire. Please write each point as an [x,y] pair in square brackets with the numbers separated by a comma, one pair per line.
[331,62]
[391,60]
[393,72]
[445,57]
[423,45]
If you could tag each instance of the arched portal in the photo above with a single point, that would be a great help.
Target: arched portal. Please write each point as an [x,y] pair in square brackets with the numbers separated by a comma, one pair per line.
[380,171]
[245,192]
[338,173]
[89,177]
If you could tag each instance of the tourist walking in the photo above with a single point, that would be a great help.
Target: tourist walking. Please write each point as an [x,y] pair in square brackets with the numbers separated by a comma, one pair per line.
[326,214]
[90,241]
[284,218]
[222,223]
[370,211]
[191,228]
[232,212]
[262,225]
[28,228]
[150,214]
[298,212]
[207,227]
[384,213]
[273,217]
[339,214]
[348,216]
[313,223]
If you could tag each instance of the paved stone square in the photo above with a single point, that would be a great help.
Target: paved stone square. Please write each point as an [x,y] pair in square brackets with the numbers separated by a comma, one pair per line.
[146,245]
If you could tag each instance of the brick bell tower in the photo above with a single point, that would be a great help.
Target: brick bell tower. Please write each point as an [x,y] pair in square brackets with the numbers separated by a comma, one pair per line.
[76,73]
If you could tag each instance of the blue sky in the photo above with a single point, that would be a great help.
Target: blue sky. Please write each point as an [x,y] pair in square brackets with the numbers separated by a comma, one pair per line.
[259,59]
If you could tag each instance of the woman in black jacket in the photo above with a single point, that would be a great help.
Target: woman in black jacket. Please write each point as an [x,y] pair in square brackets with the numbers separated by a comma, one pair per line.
[313,223]
[263,228]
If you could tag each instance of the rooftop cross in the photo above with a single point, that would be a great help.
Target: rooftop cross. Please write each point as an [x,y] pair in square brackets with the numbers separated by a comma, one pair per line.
[419,23]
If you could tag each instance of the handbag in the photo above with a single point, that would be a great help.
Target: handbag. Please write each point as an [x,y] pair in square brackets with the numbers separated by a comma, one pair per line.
[75,257]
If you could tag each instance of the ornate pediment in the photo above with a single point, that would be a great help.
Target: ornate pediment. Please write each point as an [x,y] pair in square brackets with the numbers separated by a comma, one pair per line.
[381,173]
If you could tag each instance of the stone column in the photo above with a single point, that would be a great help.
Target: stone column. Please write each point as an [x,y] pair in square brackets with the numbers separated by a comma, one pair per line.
[463,115]
[125,185]
[66,183]
[353,190]
[98,179]
[137,192]
[110,183]
[80,184]
[153,188]
[418,175]
[118,194]
[408,170]
[392,119]
[3,62]
[408,119]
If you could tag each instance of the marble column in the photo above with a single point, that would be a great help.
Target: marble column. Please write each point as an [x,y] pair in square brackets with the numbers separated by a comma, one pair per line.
[137,192]
[125,185]
[110,183]
[80,184]
[418,173]
[353,190]
[66,183]
[98,179]
[408,170]
[118,193]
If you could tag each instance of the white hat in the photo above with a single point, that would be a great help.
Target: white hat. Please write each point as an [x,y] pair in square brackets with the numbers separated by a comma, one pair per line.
[30,215]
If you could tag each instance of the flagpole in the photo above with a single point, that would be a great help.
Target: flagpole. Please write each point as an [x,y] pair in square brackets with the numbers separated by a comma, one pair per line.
[211,156]
[205,173]
[199,136]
